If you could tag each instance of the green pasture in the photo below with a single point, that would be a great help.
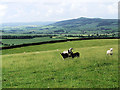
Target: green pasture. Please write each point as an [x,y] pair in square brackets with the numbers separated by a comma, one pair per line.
[41,66]
[62,45]
[26,41]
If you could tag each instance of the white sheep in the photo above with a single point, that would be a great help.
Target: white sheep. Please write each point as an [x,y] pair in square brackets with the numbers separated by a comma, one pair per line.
[68,51]
[110,52]
[65,51]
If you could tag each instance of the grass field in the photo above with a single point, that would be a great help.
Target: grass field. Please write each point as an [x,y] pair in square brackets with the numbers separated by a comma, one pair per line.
[26,41]
[41,66]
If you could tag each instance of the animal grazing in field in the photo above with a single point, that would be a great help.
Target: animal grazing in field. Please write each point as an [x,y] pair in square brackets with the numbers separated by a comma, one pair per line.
[75,54]
[110,52]
[66,55]
[69,51]
[65,52]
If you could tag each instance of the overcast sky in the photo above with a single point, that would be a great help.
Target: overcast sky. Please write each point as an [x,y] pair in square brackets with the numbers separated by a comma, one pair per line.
[56,10]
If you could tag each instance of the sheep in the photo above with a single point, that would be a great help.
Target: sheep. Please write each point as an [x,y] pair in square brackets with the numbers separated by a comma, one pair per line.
[65,52]
[75,54]
[68,51]
[110,52]
[64,55]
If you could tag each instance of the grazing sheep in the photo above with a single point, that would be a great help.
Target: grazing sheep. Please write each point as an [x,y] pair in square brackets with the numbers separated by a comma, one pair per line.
[64,55]
[75,54]
[69,52]
[65,52]
[110,52]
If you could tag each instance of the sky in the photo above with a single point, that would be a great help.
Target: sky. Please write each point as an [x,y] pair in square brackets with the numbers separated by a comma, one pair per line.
[56,10]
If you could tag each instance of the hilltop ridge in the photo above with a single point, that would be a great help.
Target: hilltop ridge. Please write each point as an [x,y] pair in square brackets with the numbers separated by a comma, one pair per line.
[80,25]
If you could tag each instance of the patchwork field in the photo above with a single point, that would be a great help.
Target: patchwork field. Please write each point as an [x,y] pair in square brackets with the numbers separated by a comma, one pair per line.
[13,42]
[41,66]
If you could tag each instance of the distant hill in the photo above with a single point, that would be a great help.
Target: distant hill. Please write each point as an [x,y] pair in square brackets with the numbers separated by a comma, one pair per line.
[86,25]
[73,26]
[84,21]
[25,23]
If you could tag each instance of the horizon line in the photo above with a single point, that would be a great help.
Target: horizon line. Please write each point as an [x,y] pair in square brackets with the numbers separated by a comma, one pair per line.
[54,20]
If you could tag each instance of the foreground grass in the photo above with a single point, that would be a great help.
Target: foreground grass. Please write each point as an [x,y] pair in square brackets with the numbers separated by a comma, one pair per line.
[93,69]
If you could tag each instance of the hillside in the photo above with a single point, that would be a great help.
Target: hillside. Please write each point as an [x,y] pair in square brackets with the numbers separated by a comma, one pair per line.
[41,66]
[85,26]
[74,26]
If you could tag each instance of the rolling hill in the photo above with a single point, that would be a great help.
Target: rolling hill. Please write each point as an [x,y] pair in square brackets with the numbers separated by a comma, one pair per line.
[85,26]
[74,26]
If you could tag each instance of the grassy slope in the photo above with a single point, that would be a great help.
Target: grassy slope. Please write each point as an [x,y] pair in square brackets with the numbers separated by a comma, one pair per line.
[61,45]
[47,68]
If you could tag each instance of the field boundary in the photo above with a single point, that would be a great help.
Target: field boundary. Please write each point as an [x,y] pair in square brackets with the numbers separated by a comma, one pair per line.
[47,42]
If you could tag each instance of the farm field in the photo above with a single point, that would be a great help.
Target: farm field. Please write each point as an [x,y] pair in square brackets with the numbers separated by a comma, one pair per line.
[42,66]
[26,41]
[18,39]
[9,40]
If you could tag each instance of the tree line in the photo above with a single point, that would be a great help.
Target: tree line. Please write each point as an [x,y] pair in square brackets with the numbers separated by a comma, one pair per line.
[23,37]
[70,35]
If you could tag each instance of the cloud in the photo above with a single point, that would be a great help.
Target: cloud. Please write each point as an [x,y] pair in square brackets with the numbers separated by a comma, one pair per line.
[60,11]
[50,1]
[54,10]
[113,8]
[2,11]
